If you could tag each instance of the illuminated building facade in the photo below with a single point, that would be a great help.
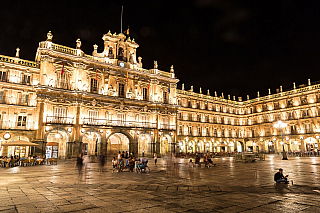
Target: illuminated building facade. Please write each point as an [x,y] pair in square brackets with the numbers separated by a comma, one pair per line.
[69,103]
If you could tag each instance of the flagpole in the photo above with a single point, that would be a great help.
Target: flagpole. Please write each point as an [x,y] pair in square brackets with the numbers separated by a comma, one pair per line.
[121,18]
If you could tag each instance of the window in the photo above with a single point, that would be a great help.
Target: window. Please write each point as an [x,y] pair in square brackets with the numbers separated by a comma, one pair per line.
[121,118]
[3,76]
[22,120]
[190,130]
[165,97]
[215,132]
[63,80]
[1,96]
[222,133]
[121,90]
[145,94]
[199,131]
[94,85]
[24,99]
[93,115]
[180,130]
[308,128]
[60,112]
[26,79]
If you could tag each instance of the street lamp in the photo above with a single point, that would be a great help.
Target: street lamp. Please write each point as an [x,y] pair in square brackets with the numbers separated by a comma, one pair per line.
[280,125]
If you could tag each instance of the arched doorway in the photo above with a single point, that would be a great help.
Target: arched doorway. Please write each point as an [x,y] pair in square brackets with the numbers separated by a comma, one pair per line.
[165,144]
[118,142]
[190,146]
[239,146]
[56,143]
[144,142]
[223,147]
[91,143]
[310,144]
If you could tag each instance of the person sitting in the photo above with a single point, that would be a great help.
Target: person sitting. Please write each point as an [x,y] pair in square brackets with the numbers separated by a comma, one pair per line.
[131,164]
[279,178]
[121,164]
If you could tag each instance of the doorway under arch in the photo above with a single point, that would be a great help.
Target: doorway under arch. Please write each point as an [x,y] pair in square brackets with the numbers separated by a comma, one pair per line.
[165,144]
[56,143]
[91,143]
[117,142]
[144,142]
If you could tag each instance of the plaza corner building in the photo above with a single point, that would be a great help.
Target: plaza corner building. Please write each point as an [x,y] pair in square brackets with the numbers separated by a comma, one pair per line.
[69,102]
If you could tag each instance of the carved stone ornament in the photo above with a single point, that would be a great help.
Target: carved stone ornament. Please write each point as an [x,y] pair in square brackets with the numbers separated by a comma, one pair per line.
[49,36]
[145,108]
[155,64]
[62,99]
[94,102]
[78,43]
[121,105]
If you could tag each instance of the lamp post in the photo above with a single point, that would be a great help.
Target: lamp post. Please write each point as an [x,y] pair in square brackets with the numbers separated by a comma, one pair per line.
[280,125]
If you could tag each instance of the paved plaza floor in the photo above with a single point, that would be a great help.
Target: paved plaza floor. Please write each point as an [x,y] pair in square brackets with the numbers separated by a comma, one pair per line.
[228,187]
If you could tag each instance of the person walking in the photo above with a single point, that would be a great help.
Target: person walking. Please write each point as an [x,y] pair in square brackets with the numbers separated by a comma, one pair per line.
[155,157]
[101,161]
[79,165]
[86,161]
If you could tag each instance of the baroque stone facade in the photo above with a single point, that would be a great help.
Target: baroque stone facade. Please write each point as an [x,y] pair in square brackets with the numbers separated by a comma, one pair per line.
[70,102]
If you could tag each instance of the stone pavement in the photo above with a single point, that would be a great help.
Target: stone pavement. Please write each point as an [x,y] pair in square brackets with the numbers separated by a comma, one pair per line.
[228,187]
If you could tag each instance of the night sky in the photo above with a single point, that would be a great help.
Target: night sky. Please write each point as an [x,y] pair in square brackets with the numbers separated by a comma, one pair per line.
[234,47]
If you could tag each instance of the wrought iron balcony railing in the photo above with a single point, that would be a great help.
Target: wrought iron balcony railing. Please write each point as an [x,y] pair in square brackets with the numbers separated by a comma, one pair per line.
[17,125]
[22,101]
[118,123]
[167,126]
[59,120]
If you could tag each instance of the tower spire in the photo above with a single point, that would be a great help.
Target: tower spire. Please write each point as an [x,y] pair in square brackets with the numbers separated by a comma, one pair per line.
[121,17]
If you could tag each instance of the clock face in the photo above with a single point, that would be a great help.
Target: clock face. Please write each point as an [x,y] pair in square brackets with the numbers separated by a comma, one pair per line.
[121,64]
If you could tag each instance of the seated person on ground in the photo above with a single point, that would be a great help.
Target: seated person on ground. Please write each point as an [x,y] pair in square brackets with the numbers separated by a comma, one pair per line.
[279,178]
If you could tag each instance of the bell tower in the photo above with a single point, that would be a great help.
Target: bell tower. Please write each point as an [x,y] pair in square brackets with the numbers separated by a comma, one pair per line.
[119,48]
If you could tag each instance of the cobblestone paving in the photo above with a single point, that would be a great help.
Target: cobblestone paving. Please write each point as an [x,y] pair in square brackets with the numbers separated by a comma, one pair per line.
[228,187]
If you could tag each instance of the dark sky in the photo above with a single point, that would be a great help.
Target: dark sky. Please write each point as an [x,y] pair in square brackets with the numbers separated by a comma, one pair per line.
[231,46]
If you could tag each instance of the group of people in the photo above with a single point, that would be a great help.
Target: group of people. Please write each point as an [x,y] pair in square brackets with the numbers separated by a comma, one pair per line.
[19,161]
[126,160]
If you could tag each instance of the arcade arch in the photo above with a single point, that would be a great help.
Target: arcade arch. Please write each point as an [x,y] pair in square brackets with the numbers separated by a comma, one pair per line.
[118,142]
[56,140]
[144,142]
[165,144]
[91,141]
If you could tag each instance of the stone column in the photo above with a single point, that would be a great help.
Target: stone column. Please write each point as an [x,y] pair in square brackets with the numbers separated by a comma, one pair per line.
[39,137]
[104,142]
[77,133]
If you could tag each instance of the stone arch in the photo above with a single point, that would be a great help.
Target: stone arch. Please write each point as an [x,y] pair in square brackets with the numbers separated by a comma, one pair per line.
[91,142]
[124,144]
[57,137]
[144,144]
[309,144]
[239,146]
[166,143]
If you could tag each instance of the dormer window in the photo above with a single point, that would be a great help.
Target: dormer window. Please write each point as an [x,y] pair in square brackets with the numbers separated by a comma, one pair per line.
[94,85]
[26,79]
[3,76]
[165,97]
[145,94]
[121,90]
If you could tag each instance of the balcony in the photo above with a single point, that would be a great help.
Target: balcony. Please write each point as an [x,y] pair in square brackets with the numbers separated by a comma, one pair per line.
[167,127]
[118,123]
[17,101]
[20,79]
[17,125]
[59,120]
[62,84]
